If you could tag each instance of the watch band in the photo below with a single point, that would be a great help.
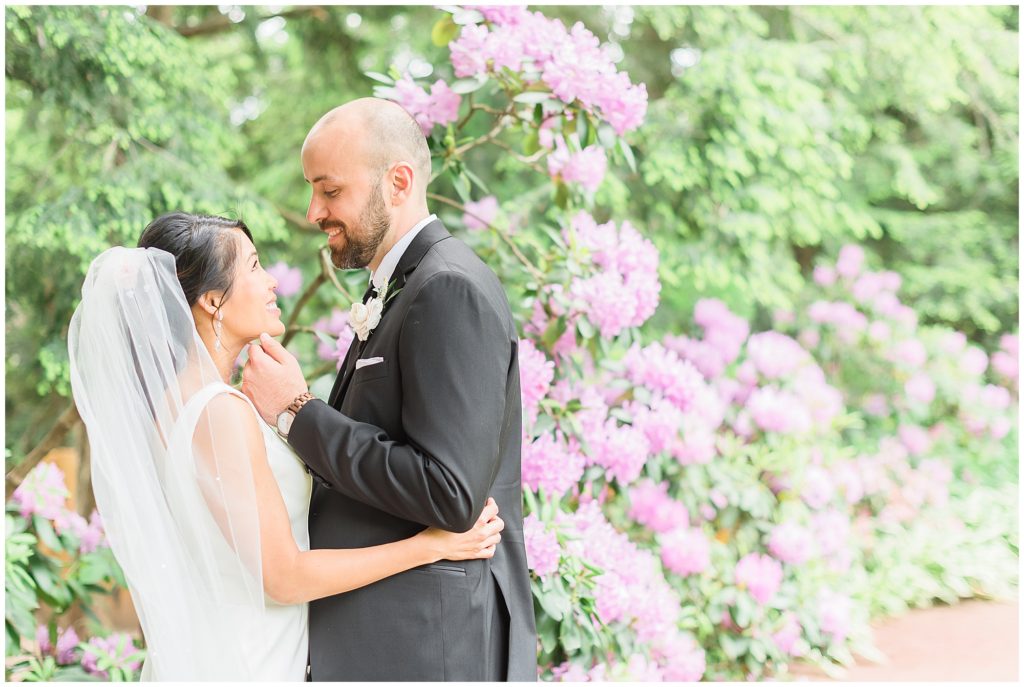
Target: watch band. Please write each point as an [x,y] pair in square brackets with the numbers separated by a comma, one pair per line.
[300,400]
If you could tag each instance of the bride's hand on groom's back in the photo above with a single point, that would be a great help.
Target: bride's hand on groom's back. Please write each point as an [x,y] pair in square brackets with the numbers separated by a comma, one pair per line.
[478,542]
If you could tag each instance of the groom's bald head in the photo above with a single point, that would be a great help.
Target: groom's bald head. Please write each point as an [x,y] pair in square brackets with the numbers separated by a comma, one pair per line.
[382,131]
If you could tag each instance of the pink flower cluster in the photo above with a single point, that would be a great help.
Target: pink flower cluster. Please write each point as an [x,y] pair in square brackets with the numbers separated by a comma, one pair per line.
[761,575]
[652,507]
[43,492]
[480,213]
[118,647]
[336,326]
[67,642]
[586,167]
[1006,361]
[89,532]
[439,106]
[633,591]
[551,463]
[790,543]
[570,62]
[724,336]
[625,290]
[535,375]
[542,549]
[621,450]
[685,550]
[289,279]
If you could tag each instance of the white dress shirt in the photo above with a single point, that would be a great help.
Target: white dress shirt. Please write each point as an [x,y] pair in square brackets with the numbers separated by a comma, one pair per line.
[390,261]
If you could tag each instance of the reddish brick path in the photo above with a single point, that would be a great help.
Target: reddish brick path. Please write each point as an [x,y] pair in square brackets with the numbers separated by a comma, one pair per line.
[972,641]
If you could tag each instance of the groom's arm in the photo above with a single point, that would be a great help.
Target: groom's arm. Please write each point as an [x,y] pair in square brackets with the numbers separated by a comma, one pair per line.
[454,358]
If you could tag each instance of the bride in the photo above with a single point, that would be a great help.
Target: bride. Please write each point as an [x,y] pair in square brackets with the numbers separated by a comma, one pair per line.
[205,506]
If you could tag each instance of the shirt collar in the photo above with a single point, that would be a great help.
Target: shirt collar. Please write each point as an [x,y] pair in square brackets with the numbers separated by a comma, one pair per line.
[387,266]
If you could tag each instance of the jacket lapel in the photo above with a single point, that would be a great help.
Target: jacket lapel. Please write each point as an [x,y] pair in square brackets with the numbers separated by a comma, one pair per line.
[428,236]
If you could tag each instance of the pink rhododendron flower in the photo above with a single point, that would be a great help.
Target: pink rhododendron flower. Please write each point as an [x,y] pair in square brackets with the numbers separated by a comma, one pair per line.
[586,167]
[542,549]
[660,423]
[535,374]
[831,529]
[850,261]
[685,550]
[551,464]
[974,361]
[118,648]
[824,275]
[787,638]
[790,543]
[834,614]
[652,507]
[67,642]
[774,410]
[289,279]
[662,371]
[775,355]
[920,388]
[723,330]
[910,352]
[915,438]
[817,488]
[681,657]
[440,106]
[570,62]
[621,450]
[879,331]
[867,286]
[43,492]
[875,404]
[760,574]
[480,213]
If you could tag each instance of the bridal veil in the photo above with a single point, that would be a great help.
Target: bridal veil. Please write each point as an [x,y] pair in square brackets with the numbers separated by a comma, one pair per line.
[174,487]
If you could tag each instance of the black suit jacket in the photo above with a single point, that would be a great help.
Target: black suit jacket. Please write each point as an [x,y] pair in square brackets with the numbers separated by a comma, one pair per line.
[422,439]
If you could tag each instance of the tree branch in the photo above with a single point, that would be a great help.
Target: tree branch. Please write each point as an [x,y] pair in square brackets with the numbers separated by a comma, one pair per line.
[296,220]
[220,22]
[68,419]
[534,272]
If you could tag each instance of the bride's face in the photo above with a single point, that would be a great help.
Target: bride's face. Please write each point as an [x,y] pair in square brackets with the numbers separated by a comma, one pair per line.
[251,306]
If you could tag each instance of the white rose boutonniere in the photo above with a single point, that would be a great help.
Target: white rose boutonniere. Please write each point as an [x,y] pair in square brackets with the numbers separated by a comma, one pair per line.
[364,317]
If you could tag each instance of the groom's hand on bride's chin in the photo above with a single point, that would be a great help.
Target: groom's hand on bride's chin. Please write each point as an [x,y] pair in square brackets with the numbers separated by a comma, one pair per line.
[271,378]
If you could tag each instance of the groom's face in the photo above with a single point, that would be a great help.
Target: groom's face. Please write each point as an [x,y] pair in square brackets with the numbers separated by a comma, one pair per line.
[347,202]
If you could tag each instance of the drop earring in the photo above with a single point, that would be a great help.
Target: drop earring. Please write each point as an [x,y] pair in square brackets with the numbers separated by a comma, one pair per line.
[218,325]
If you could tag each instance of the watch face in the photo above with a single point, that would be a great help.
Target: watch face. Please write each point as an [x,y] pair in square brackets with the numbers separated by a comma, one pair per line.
[284,422]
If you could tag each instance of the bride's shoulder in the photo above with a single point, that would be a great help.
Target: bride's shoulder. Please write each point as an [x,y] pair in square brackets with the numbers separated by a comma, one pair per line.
[228,408]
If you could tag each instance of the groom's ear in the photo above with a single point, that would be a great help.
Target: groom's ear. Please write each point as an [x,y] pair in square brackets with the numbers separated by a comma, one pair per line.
[402,178]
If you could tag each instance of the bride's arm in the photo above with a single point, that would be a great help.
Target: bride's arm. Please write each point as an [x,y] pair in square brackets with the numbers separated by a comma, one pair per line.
[291,575]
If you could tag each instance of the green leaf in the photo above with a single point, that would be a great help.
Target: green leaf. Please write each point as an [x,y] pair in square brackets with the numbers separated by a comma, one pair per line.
[627,152]
[383,78]
[561,195]
[464,86]
[533,97]
[444,32]
[531,144]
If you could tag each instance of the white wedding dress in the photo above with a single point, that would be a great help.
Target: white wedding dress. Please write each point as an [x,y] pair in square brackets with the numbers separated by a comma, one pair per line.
[275,643]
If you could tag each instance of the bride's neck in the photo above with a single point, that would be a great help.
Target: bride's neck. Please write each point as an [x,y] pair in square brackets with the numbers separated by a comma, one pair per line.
[224,358]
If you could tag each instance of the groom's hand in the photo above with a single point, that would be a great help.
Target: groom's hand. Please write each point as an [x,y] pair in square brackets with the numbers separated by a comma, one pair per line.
[272,378]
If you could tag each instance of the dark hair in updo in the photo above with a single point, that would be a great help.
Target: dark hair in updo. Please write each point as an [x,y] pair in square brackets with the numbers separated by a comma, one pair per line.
[203,247]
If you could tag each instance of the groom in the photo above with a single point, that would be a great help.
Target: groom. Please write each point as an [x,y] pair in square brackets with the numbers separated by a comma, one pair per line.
[423,423]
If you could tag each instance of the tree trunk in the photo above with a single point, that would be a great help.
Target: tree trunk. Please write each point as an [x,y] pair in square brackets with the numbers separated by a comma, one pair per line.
[161,13]
[84,497]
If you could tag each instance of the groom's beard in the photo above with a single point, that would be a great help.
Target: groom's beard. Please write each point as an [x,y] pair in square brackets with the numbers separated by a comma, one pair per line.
[363,238]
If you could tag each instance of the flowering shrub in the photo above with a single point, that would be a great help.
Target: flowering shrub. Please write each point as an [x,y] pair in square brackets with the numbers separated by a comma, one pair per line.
[56,559]
[713,504]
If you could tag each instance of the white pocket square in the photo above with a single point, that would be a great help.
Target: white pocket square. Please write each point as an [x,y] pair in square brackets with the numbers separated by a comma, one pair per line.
[366,362]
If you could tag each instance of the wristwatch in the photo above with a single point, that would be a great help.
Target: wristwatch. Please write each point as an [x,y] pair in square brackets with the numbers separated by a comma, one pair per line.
[287,416]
